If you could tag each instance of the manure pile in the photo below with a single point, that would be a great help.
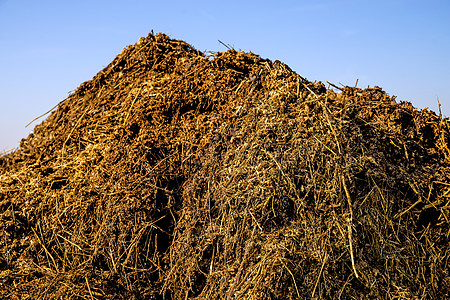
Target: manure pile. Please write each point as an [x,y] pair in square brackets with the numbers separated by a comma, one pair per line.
[174,175]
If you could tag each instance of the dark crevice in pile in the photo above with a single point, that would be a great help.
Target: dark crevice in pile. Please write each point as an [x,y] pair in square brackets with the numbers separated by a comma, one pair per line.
[173,175]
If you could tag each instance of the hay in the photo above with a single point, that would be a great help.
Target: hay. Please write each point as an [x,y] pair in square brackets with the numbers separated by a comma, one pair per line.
[174,175]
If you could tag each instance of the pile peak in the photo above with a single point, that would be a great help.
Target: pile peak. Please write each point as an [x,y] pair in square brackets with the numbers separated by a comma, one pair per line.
[173,175]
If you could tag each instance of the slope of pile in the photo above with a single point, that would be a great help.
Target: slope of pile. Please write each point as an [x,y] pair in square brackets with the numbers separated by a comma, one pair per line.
[173,175]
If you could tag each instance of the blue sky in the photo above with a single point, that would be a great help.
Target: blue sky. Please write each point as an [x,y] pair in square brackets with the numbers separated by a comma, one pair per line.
[48,48]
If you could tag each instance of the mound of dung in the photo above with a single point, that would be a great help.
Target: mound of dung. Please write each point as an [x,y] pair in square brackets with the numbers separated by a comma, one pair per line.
[173,175]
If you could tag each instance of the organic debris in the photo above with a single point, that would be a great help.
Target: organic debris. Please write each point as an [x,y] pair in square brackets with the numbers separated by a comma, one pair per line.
[174,175]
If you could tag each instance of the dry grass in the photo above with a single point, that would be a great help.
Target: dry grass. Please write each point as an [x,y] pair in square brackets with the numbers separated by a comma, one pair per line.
[179,176]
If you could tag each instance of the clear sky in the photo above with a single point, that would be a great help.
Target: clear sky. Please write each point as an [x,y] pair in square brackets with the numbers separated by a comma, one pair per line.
[48,48]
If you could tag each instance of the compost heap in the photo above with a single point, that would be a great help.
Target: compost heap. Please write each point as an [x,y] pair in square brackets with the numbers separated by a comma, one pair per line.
[177,175]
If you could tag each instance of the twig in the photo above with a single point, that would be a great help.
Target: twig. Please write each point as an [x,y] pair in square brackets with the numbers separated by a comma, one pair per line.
[292,275]
[320,274]
[73,244]
[288,180]
[76,125]
[228,46]
[131,106]
[335,86]
[310,90]
[351,246]
[398,215]
[45,248]
[439,105]
[47,111]
[241,267]
[349,224]
[6,151]
[327,115]
[89,288]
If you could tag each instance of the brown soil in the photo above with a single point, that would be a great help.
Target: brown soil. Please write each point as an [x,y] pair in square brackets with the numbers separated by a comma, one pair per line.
[173,175]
